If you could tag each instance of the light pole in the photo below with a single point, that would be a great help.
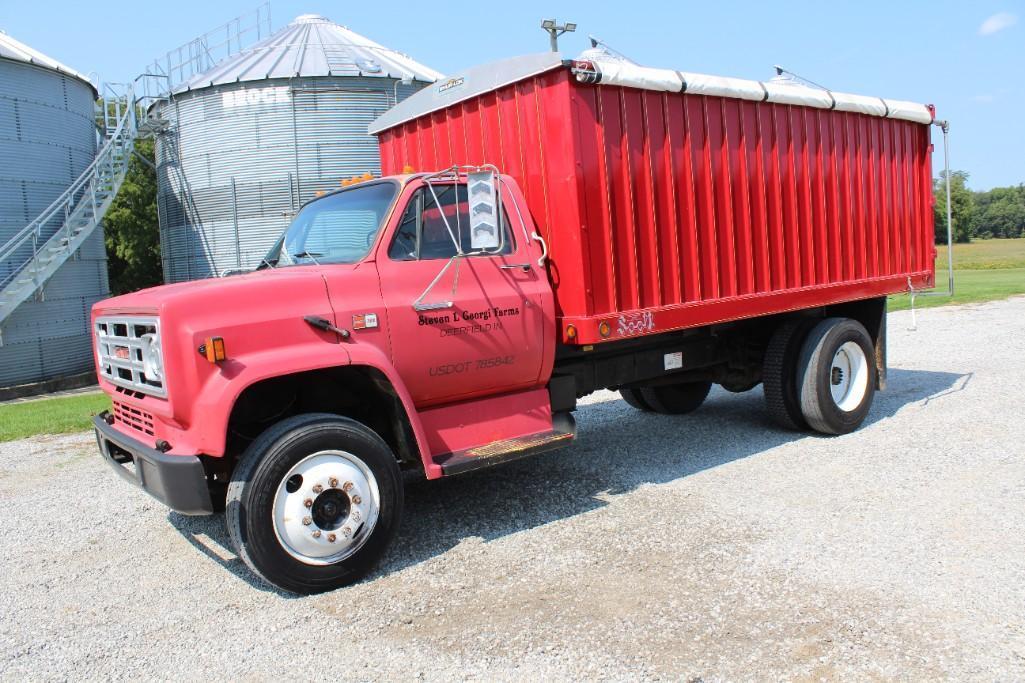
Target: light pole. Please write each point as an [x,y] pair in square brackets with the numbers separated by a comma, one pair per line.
[555,30]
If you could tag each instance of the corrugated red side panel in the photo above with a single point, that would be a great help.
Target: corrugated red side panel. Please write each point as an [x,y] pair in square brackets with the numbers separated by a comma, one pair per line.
[694,209]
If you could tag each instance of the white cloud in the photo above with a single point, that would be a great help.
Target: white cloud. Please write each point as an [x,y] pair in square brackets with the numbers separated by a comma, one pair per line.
[997,22]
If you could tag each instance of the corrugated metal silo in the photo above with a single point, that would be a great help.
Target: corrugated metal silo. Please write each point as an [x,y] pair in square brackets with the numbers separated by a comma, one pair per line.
[47,139]
[261,132]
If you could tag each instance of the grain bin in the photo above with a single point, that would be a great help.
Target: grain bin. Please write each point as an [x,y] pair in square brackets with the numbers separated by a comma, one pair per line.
[248,141]
[47,139]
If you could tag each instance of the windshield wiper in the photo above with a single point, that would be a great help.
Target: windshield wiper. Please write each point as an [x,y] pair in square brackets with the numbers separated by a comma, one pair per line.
[312,255]
[264,263]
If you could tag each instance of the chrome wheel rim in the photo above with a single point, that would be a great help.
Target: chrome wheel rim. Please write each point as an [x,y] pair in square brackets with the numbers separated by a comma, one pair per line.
[848,376]
[326,507]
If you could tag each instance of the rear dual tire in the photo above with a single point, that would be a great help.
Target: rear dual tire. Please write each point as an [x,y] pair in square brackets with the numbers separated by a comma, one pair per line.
[668,399]
[837,376]
[820,375]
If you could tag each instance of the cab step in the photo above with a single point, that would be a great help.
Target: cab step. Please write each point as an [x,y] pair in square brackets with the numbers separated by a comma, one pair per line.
[490,454]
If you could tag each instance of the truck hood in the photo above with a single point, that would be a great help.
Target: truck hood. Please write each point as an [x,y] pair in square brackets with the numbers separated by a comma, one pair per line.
[232,292]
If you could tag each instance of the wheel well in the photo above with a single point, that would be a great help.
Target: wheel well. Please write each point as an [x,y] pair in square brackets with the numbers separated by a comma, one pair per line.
[359,392]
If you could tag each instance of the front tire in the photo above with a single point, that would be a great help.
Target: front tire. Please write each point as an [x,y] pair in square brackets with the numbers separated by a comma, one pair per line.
[837,376]
[314,502]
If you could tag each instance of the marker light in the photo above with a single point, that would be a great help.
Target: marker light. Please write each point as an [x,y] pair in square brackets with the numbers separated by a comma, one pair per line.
[604,329]
[571,331]
[214,349]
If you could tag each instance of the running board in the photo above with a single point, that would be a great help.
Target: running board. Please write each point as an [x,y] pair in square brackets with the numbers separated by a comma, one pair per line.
[503,451]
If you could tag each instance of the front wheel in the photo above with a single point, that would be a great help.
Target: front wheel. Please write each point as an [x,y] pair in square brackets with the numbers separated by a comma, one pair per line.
[314,503]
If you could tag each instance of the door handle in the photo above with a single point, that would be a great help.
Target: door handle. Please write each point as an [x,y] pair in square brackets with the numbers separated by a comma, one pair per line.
[514,266]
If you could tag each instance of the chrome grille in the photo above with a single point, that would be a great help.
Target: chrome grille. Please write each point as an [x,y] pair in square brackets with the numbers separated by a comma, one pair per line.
[119,347]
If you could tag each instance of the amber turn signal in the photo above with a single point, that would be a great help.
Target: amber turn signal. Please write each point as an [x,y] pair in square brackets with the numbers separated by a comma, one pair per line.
[571,332]
[604,329]
[213,349]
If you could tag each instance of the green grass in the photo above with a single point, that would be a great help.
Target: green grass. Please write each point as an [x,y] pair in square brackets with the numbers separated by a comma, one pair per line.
[992,254]
[984,270]
[50,415]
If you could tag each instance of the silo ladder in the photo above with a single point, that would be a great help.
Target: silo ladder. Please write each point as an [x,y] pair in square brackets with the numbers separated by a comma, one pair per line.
[34,254]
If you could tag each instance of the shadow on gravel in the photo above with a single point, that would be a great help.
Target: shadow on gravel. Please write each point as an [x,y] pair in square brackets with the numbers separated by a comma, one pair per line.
[618,449]
[208,535]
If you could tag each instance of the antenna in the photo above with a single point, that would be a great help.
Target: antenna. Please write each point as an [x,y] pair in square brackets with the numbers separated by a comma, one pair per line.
[780,71]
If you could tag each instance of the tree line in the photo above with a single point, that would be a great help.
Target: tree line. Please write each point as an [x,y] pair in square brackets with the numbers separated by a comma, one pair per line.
[999,212]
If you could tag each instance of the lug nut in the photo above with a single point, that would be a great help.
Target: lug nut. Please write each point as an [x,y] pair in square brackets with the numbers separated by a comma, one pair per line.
[318,488]
[346,531]
[316,534]
[356,500]
[348,486]
[334,482]
[308,502]
[307,521]
[331,538]
[355,515]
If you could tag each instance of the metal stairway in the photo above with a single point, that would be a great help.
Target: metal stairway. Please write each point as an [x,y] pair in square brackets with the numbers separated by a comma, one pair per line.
[38,250]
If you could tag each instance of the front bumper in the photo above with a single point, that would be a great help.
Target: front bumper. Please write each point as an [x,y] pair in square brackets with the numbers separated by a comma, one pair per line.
[177,481]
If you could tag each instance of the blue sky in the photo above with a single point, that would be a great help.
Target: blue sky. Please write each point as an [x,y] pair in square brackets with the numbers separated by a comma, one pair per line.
[967,58]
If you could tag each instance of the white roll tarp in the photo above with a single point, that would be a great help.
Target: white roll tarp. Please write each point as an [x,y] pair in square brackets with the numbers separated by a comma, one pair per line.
[723,86]
[624,73]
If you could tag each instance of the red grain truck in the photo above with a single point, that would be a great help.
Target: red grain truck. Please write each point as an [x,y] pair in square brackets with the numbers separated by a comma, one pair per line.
[544,229]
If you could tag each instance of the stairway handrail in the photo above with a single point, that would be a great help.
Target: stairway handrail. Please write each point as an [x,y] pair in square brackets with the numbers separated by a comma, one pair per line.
[114,141]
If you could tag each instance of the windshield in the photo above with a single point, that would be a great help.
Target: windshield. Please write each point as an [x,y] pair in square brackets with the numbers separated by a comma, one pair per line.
[338,228]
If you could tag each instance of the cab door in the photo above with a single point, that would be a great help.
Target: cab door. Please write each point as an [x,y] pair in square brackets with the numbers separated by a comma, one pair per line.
[460,326]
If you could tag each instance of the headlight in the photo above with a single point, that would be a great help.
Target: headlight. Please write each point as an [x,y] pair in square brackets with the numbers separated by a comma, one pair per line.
[152,357]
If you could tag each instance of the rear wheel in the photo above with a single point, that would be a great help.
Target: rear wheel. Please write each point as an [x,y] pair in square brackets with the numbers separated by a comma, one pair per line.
[314,503]
[779,374]
[633,397]
[837,376]
[676,399]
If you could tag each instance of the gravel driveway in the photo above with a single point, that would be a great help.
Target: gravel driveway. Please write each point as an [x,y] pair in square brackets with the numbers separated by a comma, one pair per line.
[712,545]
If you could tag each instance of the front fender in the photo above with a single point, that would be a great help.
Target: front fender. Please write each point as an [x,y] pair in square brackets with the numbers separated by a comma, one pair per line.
[372,357]
[221,390]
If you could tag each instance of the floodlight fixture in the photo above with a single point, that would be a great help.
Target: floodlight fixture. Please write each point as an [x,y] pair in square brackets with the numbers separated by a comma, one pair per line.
[555,30]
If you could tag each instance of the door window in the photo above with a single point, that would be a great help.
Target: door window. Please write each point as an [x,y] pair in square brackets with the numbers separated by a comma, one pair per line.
[423,234]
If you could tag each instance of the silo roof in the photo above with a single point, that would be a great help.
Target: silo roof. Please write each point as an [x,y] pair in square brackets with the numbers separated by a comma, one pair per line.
[20,52]
[311,46]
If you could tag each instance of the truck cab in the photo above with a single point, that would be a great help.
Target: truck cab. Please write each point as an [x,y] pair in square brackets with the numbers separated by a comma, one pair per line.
[411,314]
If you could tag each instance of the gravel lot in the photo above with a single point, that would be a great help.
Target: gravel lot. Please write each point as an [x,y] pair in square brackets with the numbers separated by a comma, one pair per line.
[711,546]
